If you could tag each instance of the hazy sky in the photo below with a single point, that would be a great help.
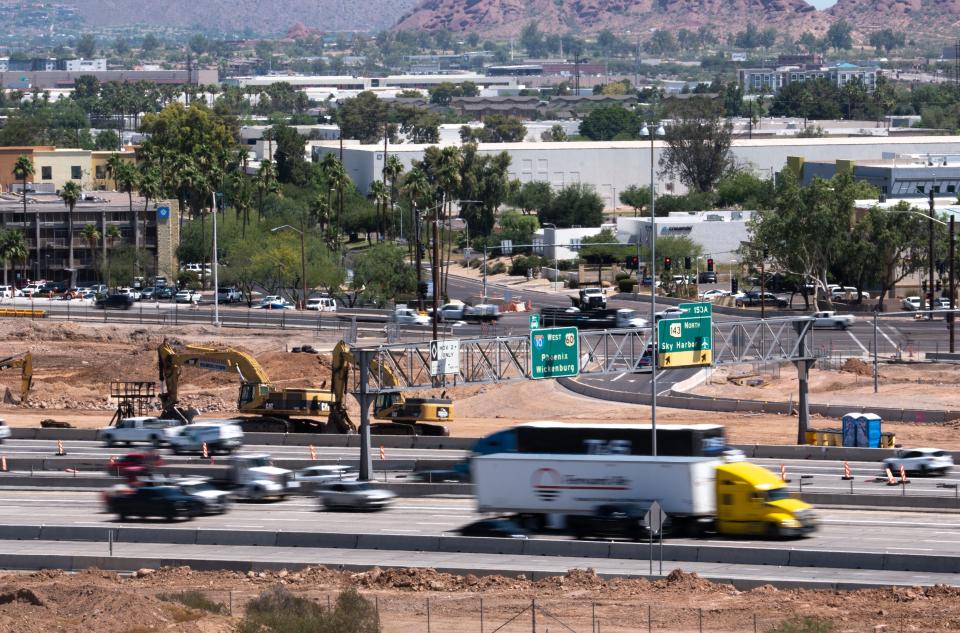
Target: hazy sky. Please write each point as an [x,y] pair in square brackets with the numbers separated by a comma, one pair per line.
[822,4]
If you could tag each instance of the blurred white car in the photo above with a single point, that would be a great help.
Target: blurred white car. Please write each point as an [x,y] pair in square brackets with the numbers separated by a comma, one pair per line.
[710,295]
[923,461]
[354,495]
[8,292]
[911,303]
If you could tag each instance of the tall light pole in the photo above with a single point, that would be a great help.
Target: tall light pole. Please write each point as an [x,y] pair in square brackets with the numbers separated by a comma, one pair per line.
[553,245]
[930,282]
[647,131]
[303,260]
[216,277]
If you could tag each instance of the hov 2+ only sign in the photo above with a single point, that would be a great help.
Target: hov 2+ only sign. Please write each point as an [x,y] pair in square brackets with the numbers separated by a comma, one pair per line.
[445,357]
[686,341]
[554,352]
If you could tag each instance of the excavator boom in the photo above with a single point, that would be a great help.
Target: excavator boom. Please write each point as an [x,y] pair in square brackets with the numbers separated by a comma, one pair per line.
[278,407]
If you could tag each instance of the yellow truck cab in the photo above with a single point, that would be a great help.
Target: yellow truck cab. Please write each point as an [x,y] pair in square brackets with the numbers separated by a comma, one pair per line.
[752,500]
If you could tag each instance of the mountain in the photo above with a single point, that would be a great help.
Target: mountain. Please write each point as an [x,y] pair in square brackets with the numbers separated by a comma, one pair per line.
[258,16]
[938,17]
[507,17]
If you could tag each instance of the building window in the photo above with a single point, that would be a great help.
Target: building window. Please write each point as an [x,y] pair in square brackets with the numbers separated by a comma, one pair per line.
[76,172]
[575,244]
[46,173]
[99,172]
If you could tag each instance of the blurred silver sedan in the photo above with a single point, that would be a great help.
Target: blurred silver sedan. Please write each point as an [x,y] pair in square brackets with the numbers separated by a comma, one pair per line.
[353,495]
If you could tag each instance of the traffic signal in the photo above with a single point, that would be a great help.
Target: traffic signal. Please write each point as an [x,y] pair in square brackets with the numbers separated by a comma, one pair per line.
[667,263]
[423,288]
[687,263]
[710,265]
[734,285]
[633,262]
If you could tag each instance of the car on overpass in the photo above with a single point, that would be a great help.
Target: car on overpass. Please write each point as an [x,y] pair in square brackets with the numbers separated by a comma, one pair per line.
[830,319]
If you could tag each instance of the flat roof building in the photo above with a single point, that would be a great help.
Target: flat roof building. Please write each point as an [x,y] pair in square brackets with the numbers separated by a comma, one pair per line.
[900,175]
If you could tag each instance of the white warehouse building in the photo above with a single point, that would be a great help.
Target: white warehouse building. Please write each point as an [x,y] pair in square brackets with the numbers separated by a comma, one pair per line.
[612,166]
[719,233]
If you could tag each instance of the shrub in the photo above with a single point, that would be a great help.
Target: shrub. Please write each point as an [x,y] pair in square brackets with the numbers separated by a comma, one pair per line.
[626,285]
[622,275]
[520,266]
[279,611]
[496,269]
[476,263]
[573,283]
[803,624]
[194,600]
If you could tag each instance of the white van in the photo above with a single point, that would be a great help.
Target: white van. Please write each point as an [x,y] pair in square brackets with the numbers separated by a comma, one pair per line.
[220,436]
[322,304]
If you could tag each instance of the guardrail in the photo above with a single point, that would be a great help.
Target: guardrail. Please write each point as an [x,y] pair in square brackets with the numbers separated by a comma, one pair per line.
[23,313]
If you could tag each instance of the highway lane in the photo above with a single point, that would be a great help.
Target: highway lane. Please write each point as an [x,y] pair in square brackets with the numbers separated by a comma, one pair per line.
[841,529]
[824,475]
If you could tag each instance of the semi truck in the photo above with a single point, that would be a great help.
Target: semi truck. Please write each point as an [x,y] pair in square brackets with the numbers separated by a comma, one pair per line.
[699,495]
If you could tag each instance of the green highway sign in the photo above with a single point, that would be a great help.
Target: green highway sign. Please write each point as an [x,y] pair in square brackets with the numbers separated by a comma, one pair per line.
[697,309]
[554,352]
[534,321]
[687,341]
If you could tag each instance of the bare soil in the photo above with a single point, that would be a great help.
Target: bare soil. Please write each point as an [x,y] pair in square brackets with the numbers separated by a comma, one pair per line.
[99,602]
[75,363]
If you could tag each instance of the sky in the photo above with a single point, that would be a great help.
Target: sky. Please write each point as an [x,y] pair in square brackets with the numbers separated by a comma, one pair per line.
[822,4]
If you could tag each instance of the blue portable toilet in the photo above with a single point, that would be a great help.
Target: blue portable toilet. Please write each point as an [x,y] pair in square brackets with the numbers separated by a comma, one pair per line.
[861,430]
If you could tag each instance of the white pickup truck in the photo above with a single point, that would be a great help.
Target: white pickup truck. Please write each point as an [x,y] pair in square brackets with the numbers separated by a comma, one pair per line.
[140,429]
[830,319]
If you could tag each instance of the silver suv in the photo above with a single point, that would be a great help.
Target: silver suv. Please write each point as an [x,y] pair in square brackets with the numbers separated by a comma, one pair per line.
[923,461]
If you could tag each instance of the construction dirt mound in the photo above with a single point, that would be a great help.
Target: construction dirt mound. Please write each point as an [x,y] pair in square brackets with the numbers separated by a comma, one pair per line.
[149,601]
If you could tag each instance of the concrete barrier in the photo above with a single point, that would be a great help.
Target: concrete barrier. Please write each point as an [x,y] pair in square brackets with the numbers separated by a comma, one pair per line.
[843,560]
[481,545]
[914,562]
[179,536]
[406,542]
[582,549]
[313,539]
[236,537]
[19,532]
[744,555]
[73,533]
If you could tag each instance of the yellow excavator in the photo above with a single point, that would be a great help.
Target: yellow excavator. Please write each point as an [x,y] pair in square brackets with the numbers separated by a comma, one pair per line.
[25,363]
[270,409]
[395,413]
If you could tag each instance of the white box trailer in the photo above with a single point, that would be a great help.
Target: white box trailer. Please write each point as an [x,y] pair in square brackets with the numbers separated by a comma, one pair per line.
[577,484]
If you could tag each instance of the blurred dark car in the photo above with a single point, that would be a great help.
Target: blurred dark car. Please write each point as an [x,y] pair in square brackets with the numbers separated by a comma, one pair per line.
[495,528]
[135,465]
[115,302]
[168,502]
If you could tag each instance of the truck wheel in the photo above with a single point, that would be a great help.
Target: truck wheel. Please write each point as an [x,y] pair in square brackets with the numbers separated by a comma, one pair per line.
[774,531]
[155,440]
[109,443]
[840,326]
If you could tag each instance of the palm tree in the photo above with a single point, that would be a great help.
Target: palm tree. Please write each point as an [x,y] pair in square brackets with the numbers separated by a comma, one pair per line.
[113,168]
[446,171]
[266,184]
[13,248]
[378,191]
[391,173]
[92,236]
[127,178]
[22,171]
[111,235]
[71,193]
[151,188]
[337,178]
[416,188]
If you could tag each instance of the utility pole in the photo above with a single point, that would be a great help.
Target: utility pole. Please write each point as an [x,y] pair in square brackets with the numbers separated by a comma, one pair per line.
[216,278]
[436,267]
[952,284]
[417,219]
[930,282]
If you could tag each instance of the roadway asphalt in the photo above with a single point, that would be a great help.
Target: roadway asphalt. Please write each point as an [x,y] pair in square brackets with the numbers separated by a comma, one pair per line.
[895,532]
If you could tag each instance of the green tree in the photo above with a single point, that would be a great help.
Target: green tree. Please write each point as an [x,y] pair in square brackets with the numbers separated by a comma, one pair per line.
[577,204]
[517,227]
[128,178]
[71,194]
[150,43]
[531,197]
[485,181]
[288,154]
[698,145]
[896,245]
[266,182]
[381,274]
[87,46]
[606,123]
[362,117]
[498,128]
[743,188]
[556,134]
[92,237]
[532,39]
[602,250]
[840,35]
[636,197]
[23,171]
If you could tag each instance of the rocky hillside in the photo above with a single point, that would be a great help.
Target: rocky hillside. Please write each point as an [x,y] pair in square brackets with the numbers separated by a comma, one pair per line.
[260,16]
[927,16]
[507,17]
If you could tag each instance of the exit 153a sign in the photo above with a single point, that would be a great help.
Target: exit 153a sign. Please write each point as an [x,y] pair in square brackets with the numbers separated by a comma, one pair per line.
[686,341]
[554,352]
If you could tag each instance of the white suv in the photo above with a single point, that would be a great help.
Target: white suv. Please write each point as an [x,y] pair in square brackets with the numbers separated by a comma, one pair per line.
[8,292]
[924,461]
[152,430]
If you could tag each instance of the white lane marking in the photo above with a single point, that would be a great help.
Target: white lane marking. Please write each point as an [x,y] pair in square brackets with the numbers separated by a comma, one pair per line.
[236,525]
[900,524]
[884,335]
[399,530]
[857,341]
[912,549]
[619,376]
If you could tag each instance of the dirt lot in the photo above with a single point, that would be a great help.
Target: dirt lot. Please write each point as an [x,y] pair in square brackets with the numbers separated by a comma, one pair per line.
[100,602]
[75,363]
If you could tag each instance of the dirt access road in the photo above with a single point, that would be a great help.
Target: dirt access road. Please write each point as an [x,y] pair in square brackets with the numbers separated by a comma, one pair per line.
[75,363]
[100,602]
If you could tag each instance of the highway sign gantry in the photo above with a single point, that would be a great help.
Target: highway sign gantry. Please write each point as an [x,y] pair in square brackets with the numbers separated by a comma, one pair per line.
[686,341]
[554,352]
[445,357]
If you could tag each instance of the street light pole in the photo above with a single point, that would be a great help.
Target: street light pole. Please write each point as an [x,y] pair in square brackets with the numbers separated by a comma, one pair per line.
[930,282]
[553,246]
[648,131]
[952,282]
[216,278]
[436,268]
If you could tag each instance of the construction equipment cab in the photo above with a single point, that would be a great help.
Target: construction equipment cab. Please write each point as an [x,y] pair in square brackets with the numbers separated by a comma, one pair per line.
[397,414]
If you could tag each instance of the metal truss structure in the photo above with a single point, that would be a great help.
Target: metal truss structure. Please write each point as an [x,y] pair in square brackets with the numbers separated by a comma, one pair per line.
[504,359]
